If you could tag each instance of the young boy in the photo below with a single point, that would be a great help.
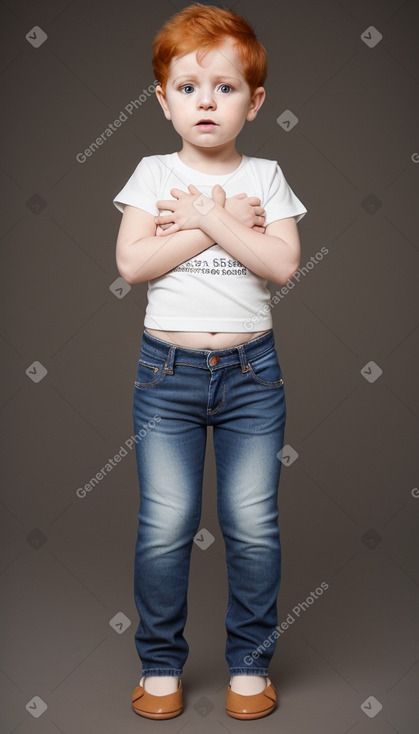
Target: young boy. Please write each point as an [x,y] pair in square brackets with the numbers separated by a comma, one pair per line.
[207,353]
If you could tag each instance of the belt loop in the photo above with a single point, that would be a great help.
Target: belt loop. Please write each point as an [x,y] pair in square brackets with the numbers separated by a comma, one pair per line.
[168,365]
[244,364]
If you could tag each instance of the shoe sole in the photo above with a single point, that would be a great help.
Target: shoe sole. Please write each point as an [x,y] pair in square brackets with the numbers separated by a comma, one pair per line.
[169,715]
[258,715]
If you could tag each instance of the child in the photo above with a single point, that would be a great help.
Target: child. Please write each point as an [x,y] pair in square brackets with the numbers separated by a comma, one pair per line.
[208,356]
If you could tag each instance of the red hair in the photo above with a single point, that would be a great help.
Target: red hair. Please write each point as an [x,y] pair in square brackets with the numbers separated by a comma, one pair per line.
[205,27]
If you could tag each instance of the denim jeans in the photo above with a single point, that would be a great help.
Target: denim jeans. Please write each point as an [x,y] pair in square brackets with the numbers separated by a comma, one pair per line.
[178,392]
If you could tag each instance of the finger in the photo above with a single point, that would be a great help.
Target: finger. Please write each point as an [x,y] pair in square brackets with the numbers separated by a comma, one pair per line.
[259,229]
[195,190]
[171,205]
[160,229]
[239,196]
[172,228]
[218,198]
[165,213]
[218,194]
[178,193]
[254,201]
[164,219]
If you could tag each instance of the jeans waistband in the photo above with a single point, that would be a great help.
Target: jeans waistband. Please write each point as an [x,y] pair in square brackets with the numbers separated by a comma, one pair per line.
[211,359]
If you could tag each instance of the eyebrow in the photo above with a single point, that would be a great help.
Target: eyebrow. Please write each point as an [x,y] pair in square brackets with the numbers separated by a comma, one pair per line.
[217,76]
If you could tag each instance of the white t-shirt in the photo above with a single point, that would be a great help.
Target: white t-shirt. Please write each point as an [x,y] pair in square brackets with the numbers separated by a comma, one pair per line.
[212,291]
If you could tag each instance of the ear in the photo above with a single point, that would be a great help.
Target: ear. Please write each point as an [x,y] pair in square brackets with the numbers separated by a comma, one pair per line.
[162,101]
[256,103]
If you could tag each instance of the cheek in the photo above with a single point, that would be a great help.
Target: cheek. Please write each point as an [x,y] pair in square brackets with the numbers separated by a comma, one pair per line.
[177,120]
[181,114]
[234,119]
[180,131]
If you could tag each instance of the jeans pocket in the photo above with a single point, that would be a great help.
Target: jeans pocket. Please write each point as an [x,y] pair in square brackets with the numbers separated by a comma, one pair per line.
[149,372]
[265,370]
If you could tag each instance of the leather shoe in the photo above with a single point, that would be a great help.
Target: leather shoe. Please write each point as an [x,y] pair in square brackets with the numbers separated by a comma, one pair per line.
[251,707]
[157,707]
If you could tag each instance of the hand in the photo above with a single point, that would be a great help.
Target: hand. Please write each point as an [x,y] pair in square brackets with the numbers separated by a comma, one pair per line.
[186,211]
[247,209]
[161,227]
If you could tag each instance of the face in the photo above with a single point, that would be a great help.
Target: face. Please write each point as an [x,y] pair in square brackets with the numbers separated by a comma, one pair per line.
[215,91]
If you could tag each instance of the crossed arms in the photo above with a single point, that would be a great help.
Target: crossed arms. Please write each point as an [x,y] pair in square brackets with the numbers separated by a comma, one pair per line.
[147,248]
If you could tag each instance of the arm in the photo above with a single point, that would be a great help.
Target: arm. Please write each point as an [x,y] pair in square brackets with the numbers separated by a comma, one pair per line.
[274,255]
[141,255]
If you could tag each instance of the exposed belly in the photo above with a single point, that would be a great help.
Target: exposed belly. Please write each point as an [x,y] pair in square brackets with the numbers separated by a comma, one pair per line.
[206,339]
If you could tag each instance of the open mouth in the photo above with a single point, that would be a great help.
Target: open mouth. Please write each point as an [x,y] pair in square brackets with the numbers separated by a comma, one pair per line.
[206,123]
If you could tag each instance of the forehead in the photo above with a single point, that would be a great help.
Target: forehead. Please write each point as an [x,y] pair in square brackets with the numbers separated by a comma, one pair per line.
[223,59]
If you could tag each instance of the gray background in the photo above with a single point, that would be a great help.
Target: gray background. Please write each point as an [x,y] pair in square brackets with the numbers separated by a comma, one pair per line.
[348,510]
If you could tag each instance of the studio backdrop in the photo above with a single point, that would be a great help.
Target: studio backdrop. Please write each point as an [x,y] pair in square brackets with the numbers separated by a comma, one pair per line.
[341,118]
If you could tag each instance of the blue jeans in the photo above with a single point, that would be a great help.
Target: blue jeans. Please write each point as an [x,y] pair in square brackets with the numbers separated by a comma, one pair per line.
[178,393]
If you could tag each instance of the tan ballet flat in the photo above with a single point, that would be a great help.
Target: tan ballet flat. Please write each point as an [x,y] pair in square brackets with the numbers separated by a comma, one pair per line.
[157,707]
[251,707]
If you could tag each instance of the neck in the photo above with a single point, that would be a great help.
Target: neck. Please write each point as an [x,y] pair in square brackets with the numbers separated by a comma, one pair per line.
[207,158]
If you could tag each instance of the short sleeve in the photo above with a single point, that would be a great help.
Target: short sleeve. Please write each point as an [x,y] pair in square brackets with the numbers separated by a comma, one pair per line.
[281,202]
[140,190]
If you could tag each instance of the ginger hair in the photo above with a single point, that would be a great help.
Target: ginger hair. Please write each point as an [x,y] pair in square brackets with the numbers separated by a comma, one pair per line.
[204,27]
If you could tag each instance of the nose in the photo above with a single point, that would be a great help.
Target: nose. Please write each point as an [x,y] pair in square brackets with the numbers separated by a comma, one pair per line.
[206,98]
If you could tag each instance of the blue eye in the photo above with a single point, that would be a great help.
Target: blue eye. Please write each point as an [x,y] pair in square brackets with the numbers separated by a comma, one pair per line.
[186,86]
[226,85]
